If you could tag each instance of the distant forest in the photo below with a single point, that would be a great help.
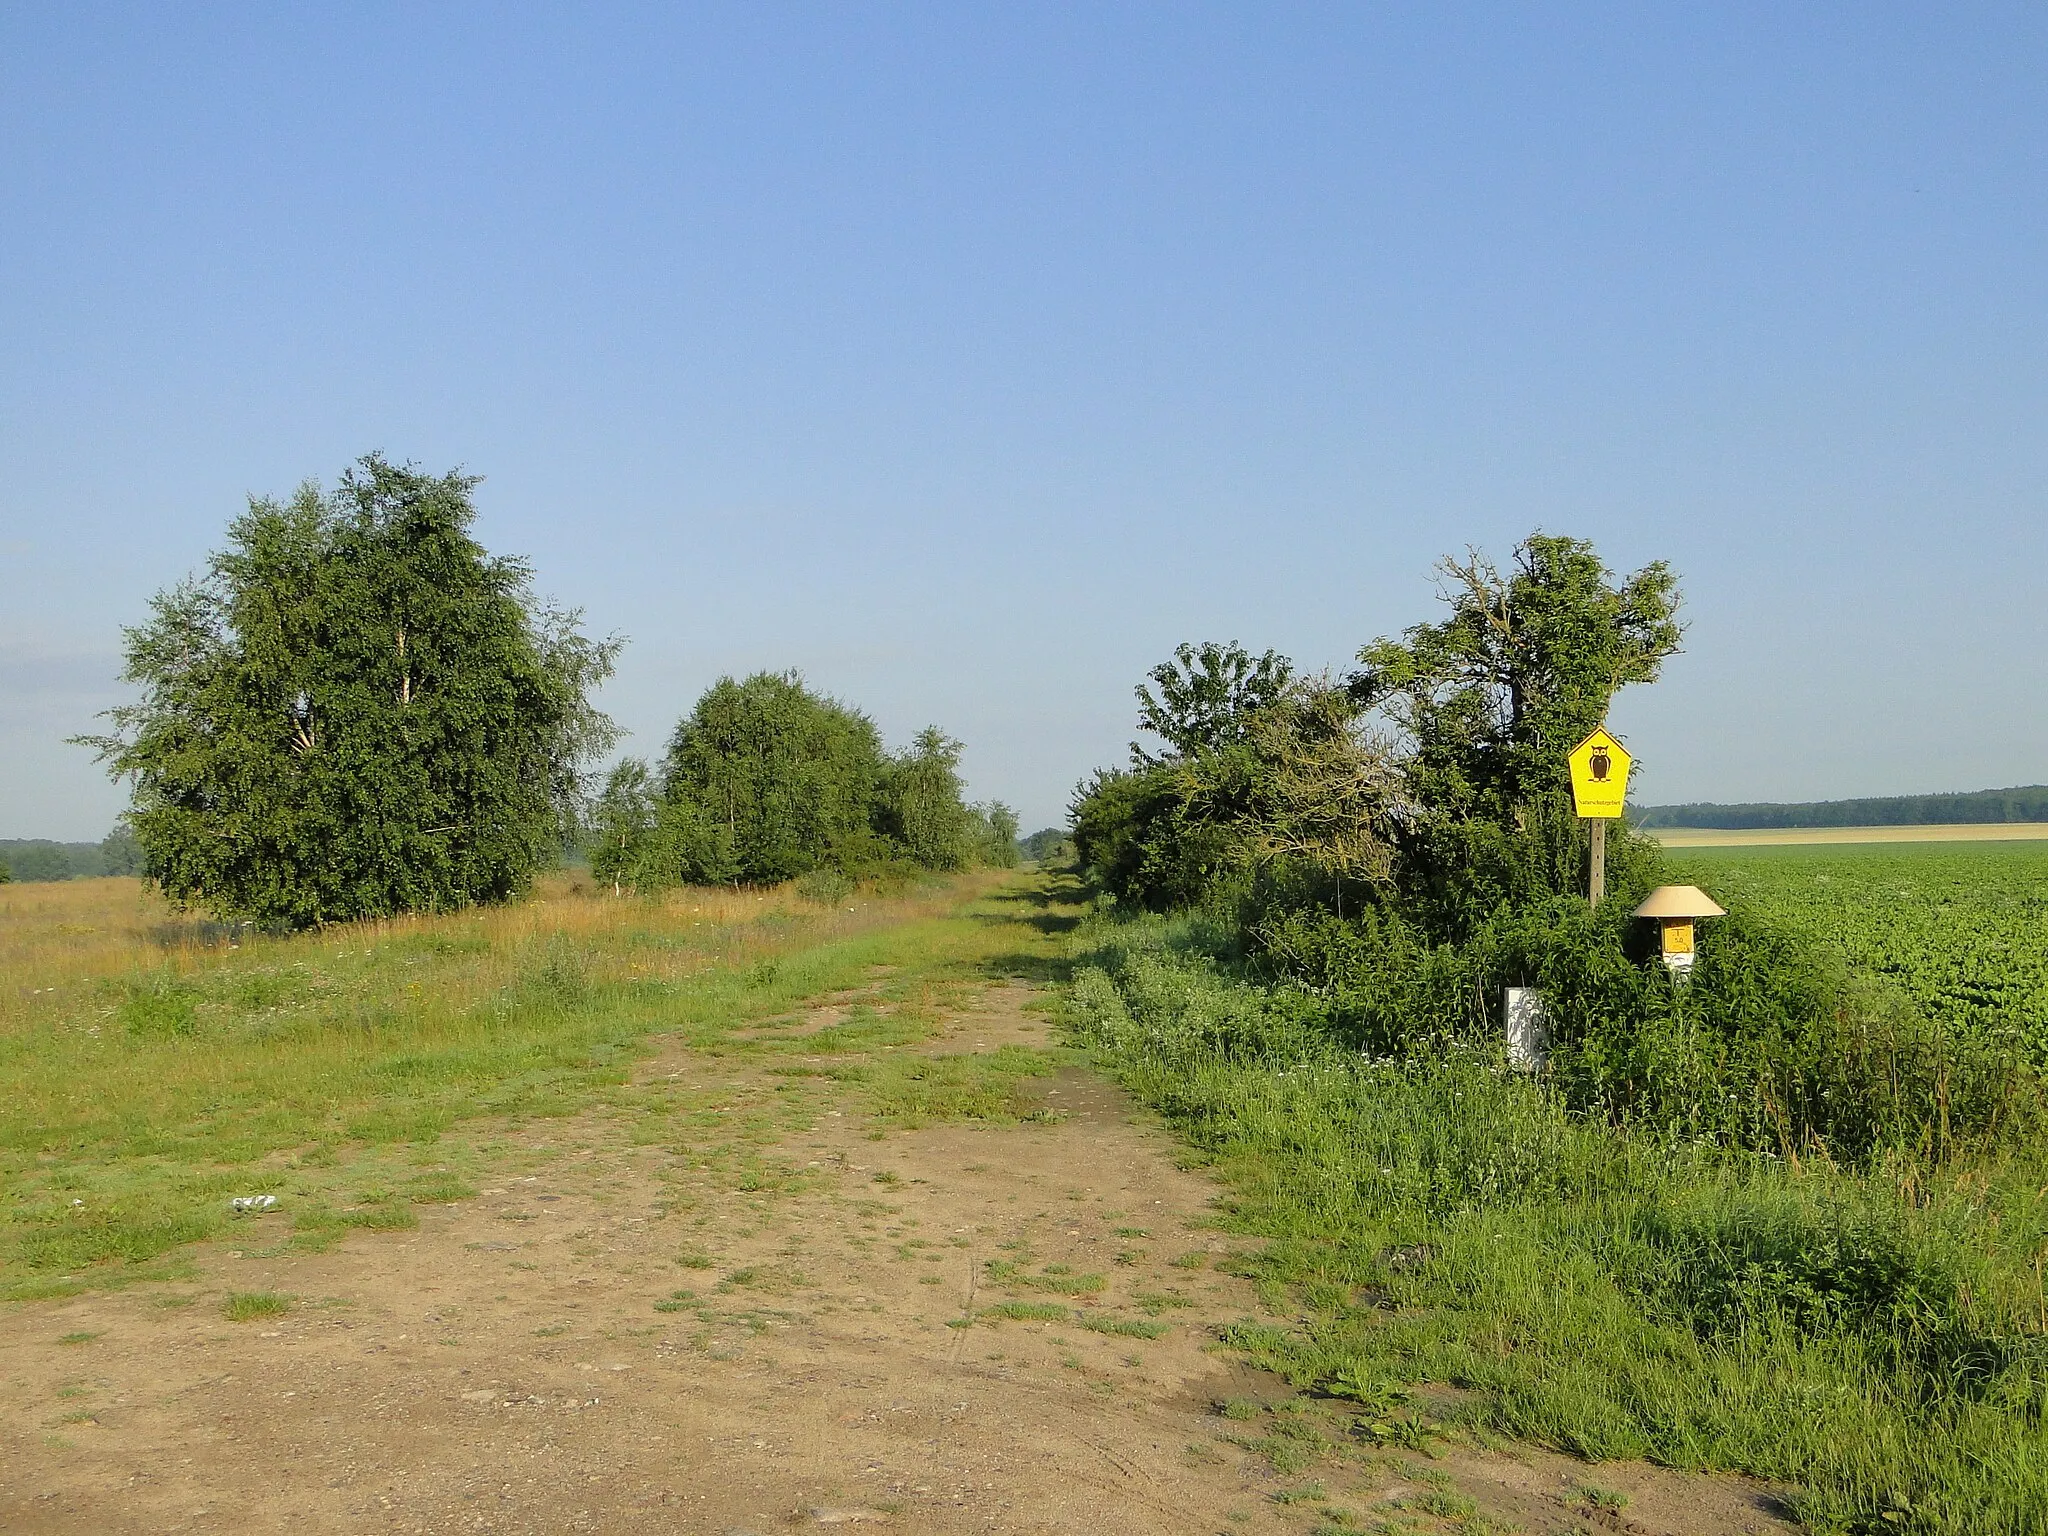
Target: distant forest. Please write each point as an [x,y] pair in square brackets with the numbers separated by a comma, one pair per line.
[38,858]
[2028,802]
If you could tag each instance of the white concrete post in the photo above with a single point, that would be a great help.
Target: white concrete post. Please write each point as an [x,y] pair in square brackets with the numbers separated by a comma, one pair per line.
[1528,1030]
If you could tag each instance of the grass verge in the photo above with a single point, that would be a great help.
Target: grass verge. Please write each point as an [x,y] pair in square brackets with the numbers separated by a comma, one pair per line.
[1876,1338]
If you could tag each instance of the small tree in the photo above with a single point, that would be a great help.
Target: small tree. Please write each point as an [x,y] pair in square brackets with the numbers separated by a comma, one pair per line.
[1207,695]
[1491,699]
[924,811]
[357,712]
[766,781]
[994,832]
[120,853]
[622,824]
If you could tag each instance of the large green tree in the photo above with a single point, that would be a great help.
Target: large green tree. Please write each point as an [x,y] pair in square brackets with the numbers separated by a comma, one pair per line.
[1206,697]
[357,711]
[1488,701]
[922,805]
[766,780]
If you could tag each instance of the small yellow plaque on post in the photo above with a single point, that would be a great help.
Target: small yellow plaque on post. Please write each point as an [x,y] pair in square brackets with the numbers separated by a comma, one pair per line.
[1600,767]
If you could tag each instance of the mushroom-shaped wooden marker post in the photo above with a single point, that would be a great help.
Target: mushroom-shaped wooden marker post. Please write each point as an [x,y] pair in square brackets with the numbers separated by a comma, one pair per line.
[1675,908]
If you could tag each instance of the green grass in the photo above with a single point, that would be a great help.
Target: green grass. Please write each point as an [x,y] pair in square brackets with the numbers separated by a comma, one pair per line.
[1026,1312]
[146,1078]
[1124,1327]
[248,1306]
[1307,1493]
[1055,1278]
[1877,1339]
[771,1279]
[1607,1500]
[1961,928]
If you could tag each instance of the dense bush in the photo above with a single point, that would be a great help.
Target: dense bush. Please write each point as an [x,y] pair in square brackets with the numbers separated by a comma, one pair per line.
[1394,855]
[766,781]
[1135,832]
[1772,1045]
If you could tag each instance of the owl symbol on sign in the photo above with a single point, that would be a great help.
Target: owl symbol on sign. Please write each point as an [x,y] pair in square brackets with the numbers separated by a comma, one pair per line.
[1600,762]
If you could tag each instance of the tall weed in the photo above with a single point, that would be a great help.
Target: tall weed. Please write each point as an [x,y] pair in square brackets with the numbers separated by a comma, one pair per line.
[1619,1284]
[1771,1045]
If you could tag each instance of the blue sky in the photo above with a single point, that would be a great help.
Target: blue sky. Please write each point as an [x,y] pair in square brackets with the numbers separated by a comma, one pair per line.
[968,358]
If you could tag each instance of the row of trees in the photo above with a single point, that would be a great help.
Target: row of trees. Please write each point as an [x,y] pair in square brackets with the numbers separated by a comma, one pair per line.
[359,711]
[1432,778]
[40,859]
[765,780]
[2023,802]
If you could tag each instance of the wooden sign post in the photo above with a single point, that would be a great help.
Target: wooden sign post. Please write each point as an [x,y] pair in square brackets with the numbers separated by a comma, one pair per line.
[1599,767]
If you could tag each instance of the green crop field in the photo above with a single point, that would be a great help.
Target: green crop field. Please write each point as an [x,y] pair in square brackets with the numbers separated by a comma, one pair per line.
[1962,928]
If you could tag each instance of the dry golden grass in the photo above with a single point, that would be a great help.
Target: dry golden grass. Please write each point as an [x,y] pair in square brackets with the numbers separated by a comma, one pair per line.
[1768,837]
[62,930]
[59,934]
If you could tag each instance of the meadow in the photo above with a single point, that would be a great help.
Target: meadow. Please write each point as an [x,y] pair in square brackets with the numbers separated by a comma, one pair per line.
[1870,1334]
[154,1067]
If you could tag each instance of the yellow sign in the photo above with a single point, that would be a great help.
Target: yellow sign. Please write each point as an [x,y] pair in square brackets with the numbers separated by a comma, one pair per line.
[1599,775]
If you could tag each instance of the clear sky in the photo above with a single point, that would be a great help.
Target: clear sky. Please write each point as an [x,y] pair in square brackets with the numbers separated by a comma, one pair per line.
[968,357]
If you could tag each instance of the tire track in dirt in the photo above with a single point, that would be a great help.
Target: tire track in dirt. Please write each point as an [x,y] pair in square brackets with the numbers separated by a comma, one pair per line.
[537,1359]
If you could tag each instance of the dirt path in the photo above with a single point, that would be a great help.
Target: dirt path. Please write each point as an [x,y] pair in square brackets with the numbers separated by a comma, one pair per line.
[616,1337]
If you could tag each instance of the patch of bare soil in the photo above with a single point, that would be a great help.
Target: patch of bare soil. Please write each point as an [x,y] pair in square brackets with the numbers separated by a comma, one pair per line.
[968,1328]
